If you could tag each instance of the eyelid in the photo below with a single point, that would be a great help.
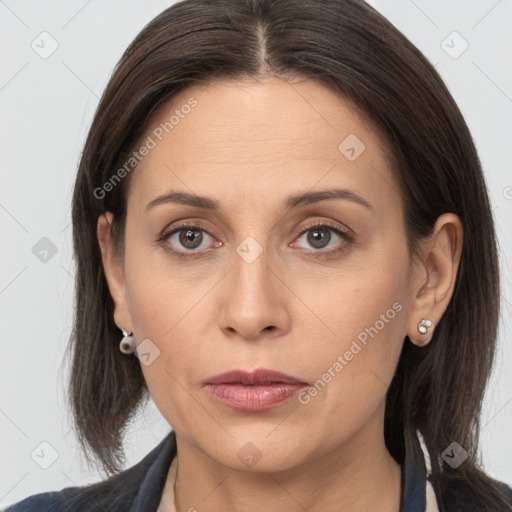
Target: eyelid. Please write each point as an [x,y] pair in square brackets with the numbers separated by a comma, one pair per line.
[345,232]
[192,225]
[336,226]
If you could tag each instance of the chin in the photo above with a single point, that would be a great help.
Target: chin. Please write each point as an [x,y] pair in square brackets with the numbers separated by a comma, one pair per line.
[254,450]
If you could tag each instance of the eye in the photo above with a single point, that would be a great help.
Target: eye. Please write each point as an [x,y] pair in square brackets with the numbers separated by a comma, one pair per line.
[186,236]
[319,236]
[186,240]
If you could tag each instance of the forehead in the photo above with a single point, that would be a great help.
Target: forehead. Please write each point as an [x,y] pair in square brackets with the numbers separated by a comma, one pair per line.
[251,137]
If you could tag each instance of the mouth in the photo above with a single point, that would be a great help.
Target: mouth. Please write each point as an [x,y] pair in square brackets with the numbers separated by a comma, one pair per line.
[256,390]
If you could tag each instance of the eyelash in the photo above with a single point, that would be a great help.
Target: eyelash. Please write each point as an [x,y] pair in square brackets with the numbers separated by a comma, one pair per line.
[345,234]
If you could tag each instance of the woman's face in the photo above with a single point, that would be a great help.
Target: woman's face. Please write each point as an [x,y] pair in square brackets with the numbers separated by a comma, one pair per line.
[262,280]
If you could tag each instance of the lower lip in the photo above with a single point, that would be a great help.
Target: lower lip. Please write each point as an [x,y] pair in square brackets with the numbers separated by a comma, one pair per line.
[256,397]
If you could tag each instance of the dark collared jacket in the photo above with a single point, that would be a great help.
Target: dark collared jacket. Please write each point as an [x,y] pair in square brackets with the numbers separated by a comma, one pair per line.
[139,488]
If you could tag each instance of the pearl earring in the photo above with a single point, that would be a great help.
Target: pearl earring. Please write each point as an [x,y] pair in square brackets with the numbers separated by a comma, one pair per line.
[127,345]
[424,325]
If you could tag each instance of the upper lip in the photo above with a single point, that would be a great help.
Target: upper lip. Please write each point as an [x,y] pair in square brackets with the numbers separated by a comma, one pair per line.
[258,376]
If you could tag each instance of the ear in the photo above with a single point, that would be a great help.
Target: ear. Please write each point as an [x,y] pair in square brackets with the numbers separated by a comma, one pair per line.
[433,284]
[114,272]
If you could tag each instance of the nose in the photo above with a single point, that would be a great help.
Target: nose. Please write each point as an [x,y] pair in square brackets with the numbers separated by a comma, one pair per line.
[254,299]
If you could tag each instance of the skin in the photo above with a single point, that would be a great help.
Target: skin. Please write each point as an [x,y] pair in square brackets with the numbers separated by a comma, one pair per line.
[250,145]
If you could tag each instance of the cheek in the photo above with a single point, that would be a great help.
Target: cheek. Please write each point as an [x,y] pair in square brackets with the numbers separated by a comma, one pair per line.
[352,372]
[168,308]
[157,292]
[354,358]
[357,356]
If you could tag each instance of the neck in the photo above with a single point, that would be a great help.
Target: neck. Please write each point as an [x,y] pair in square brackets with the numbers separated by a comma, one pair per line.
[358,475]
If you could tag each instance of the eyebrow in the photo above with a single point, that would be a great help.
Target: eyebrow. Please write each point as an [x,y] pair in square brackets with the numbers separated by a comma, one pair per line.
[293,201]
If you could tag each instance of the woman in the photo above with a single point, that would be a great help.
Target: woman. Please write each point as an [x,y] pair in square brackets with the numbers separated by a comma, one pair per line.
[280,207]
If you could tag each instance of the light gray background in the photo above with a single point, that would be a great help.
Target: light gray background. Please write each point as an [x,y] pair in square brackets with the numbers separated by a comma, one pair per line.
[47,106]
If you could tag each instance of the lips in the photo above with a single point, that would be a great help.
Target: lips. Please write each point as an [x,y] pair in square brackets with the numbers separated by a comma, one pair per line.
[254,391]
[261,376]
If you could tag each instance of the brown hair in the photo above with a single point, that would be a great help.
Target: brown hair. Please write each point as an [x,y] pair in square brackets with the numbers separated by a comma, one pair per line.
[356,52]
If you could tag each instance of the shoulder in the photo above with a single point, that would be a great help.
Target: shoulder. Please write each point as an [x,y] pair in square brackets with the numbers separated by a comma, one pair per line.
[115,493]
[38,502]
[139,483]
[68,499]
[460,495]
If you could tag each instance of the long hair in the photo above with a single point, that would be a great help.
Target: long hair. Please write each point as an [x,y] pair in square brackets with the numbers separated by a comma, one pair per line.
[352,49]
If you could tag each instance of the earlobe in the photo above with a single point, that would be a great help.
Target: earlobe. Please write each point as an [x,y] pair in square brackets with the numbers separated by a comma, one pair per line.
[435,286]
[113,269]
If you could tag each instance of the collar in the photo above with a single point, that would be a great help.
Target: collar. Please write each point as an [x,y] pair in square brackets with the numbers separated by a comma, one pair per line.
[420,483]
